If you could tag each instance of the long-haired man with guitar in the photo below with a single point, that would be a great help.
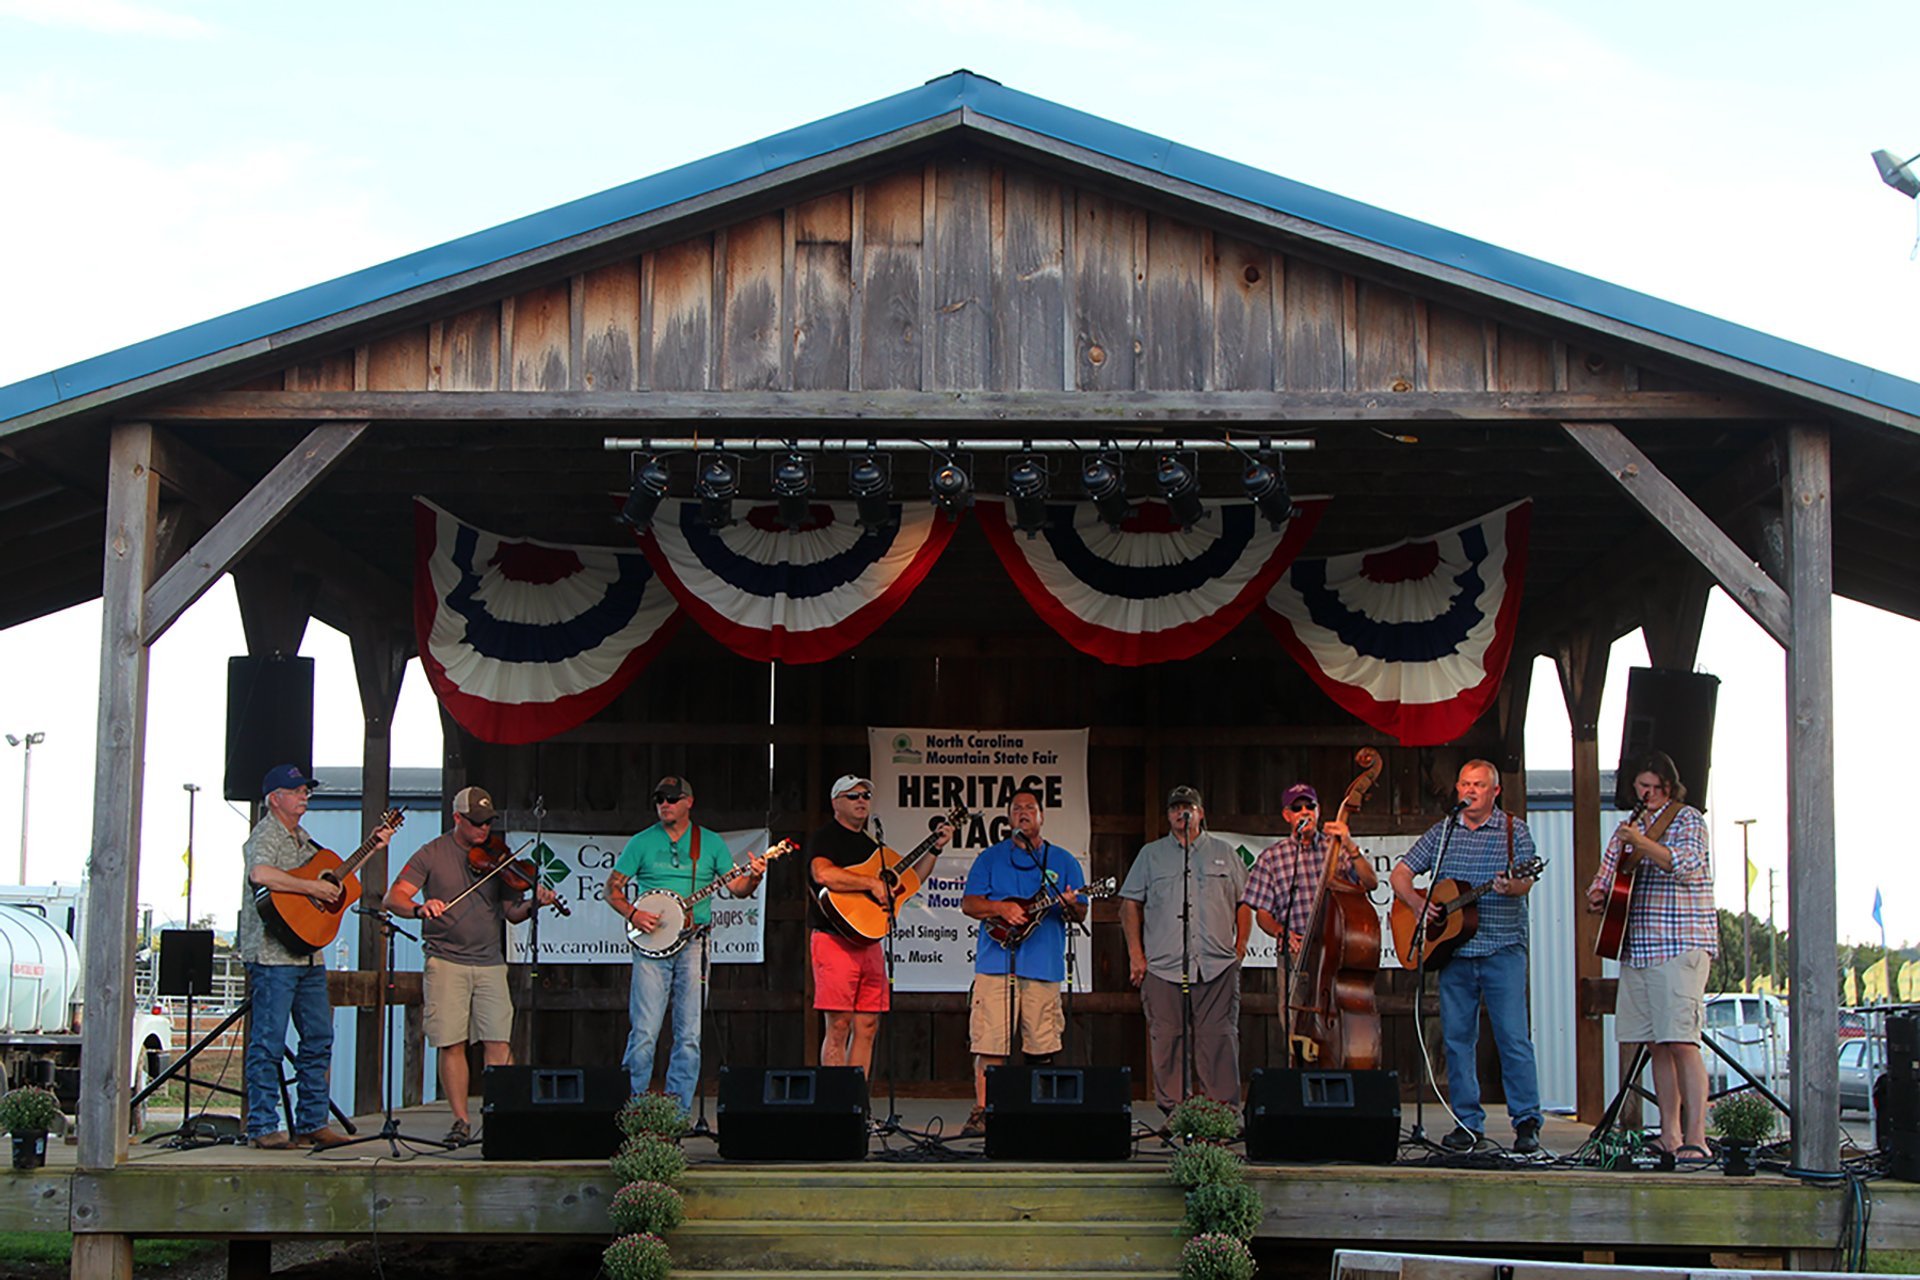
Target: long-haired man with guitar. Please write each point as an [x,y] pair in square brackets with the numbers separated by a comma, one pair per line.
[286,980]
[1491,967]
[679,856]
[464,935]
[849,971]
[1672,935]
[1033,885]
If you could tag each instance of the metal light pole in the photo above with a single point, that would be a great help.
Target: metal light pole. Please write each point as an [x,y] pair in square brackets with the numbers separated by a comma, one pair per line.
[192,789]
[26,779]
[1773,933]
[1746,904]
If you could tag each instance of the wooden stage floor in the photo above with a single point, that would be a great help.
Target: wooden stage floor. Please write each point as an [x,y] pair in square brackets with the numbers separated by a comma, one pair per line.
[1538,1206]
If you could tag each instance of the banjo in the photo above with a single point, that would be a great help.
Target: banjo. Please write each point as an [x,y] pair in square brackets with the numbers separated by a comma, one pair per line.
[674,931]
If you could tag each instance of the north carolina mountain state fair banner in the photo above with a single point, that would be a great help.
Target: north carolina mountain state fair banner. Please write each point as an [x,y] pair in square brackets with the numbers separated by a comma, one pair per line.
[1382,851]
[576,867]
[918,774]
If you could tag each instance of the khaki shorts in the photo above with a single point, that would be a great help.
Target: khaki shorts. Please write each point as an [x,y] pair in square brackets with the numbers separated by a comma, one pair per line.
[1664,1003]
[1041,1020]
[466,1002]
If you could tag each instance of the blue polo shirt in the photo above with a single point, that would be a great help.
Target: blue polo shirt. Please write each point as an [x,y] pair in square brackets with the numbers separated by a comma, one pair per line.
[1008,870]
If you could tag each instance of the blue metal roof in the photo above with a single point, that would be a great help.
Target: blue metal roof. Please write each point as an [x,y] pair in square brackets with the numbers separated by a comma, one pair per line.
[960,90]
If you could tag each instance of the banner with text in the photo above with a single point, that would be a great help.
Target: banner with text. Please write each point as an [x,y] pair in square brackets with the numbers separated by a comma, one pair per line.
[576,867]
[1382,851]
[920,774]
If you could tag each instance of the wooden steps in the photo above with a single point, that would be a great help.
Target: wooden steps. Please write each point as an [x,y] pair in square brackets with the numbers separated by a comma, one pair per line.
[1010,1222]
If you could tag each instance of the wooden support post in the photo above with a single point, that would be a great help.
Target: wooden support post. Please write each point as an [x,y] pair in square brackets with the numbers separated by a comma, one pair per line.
[379,665]
[275,603]
[1674,618]
[1811,917]
[1515,691]
[1581,660]
[133,500]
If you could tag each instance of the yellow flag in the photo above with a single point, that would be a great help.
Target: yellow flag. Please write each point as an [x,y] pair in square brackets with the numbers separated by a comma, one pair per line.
[1753,873]
[1873,982]
[1853,988]
[1763,983]
[1910,981]
[186,856]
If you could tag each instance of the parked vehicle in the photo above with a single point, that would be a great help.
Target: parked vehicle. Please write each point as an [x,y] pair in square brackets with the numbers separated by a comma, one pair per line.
[40,931]
[1751,1028]
[1860,1061]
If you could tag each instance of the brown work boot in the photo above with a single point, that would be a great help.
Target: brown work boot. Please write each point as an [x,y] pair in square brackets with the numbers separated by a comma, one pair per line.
[976,1125]
[275,1141]
[323,1137]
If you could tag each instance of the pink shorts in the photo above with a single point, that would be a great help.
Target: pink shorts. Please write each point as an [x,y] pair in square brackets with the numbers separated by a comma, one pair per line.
[849,975]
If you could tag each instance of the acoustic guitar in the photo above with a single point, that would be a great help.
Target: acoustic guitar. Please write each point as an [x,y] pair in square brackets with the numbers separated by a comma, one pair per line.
[671,935]
[1611,938]
[302,925]
[1012,935]
[1459,919]
[855,913]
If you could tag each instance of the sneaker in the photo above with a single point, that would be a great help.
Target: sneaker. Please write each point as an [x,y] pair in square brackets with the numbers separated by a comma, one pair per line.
[460,1135]
[1461,1139]
[323,1137]
[275,1141]
[976,1125]
[1526,1137]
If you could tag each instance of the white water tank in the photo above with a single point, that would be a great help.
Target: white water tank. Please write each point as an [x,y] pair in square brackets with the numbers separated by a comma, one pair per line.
[43,971]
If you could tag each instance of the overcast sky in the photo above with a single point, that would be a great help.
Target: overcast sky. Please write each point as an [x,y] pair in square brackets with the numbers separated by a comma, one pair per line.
[170,162]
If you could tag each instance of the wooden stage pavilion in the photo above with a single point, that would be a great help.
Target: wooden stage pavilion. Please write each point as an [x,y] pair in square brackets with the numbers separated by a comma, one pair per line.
[961,262]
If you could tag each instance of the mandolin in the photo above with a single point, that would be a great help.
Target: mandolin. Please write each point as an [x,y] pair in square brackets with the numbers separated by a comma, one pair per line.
[1012,935]
[855,913]
[302,925]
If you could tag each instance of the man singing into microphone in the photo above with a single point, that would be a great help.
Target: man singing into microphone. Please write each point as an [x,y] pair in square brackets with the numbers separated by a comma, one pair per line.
[1282,883]
[1188,867]
[1490,967]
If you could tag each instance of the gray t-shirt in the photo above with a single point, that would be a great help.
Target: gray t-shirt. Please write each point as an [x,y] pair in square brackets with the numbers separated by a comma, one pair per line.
[271,844]
[473,932]
[1219,876]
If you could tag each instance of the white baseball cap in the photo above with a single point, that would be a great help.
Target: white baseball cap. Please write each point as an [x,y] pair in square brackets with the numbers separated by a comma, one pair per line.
[847,782]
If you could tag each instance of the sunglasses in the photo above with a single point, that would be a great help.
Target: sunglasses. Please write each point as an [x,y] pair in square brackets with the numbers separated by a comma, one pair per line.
[478,822]
[1301,806]
[856,795]
[665,797]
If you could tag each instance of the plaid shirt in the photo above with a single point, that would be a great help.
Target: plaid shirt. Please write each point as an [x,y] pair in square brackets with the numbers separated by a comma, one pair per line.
[1672,911]
[1285,877]
[1477,857]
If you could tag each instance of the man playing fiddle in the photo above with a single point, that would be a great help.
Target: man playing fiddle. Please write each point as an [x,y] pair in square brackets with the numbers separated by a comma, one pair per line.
[466,975]
[1285,877]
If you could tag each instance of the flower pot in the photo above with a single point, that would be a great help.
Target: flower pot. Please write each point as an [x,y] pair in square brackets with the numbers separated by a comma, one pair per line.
[1739,1158]
[29,1150]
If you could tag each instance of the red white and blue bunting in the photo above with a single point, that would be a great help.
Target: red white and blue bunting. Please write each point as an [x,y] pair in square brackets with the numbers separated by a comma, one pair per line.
[802,595]
[521,639]
[1413,638]
[1149,591]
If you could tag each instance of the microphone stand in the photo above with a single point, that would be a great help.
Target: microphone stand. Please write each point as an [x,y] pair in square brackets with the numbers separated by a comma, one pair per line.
[1286,965]
[891,1124]
[533,940]
[1420,975]
[1185,839]
[390,1131]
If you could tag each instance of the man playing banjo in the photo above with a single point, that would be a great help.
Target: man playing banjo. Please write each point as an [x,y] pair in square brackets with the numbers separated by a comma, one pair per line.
[675,855]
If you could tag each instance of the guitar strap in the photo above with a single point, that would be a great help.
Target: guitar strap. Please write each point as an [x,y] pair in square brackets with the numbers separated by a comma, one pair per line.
[1509,821]
[1667,815]
[693,854]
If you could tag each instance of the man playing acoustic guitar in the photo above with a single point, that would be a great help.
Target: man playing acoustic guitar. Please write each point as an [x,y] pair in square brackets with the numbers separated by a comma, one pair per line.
[1004,879]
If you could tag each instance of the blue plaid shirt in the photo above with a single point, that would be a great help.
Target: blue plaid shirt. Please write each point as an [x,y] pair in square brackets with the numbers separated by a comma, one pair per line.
[1477,857]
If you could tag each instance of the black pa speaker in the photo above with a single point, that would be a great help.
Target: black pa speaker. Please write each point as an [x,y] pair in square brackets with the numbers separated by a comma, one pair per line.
[1903,1044]
[551,1113]
[186,962]
[1059,1113]
[269,720]
[1896,1131]
[1670,711]
[1351,1116]
[793,1113]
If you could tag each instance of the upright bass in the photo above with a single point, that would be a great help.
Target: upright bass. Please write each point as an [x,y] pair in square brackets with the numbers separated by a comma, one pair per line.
[1333,1021]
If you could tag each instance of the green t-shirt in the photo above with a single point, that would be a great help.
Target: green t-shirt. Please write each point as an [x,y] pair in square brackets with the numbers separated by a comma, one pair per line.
[651,861]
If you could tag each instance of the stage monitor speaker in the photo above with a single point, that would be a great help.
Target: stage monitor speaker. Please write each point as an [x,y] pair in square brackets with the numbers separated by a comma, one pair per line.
[269,720]
[1896,1131]
[1903,1044]
[186,962]
[1670,711]
[1059,1113]
[1352,1116]
[793,1113]
[551,1113]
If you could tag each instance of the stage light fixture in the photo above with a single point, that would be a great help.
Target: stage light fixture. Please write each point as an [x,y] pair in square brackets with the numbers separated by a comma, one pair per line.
[870,480]
[646,489]
[951,481]
[1027,486]
[1265,481]
[792,487]
[717,484]
[1178,482]
[1104,478]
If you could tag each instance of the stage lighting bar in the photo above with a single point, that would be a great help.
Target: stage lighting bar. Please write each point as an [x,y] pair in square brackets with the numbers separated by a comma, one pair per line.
[793,489]
[1175,476]
[870,481]
[1027,487]
[950,480]
[717,484]
[646,489]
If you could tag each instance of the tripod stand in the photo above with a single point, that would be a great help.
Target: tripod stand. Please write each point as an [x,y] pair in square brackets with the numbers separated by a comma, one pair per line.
[201,1131]
[390,1131]
[1630,1083]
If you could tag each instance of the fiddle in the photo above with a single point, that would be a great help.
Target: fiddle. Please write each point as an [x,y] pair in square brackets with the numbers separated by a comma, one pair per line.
[492,857]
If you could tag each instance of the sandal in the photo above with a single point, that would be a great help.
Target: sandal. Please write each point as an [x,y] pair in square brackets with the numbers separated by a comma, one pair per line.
[1690,1156]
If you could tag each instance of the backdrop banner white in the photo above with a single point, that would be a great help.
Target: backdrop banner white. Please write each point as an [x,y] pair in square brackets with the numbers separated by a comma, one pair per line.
[577,867]
[1382,851]
[918,775]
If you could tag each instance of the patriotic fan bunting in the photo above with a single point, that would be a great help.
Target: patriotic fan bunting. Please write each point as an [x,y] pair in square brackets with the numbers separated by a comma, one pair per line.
[1149,591]
[1413,638]
[801,595]
[522,640]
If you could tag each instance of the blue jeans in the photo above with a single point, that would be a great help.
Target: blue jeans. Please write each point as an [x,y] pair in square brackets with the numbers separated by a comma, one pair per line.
[675,979]
[1500,980]
[279,990]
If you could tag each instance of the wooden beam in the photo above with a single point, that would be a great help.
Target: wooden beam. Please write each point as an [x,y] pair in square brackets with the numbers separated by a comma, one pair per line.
[249,520]
[113,867]
[379,665]
[276,602]
[1582,666]
[1811,912]
[1117,408]
[1675,512]
[1673,620]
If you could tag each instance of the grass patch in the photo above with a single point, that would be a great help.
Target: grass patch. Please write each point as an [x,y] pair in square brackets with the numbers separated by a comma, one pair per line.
[57,1246]
[1894,1261]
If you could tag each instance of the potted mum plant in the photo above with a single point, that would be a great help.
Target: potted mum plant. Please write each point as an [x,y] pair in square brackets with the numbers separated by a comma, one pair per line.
[28,1113]
[1744,1120]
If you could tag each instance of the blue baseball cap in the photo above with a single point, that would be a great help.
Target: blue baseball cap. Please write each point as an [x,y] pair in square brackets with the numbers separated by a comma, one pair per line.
[284,777]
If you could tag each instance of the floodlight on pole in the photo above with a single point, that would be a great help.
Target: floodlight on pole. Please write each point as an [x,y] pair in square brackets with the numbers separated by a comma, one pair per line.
[28,741]
[1898,174]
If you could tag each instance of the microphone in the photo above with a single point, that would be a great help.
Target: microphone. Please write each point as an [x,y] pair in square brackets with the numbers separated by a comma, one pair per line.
[364,910]
[1300,827]
[879,831]
[1458,807]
